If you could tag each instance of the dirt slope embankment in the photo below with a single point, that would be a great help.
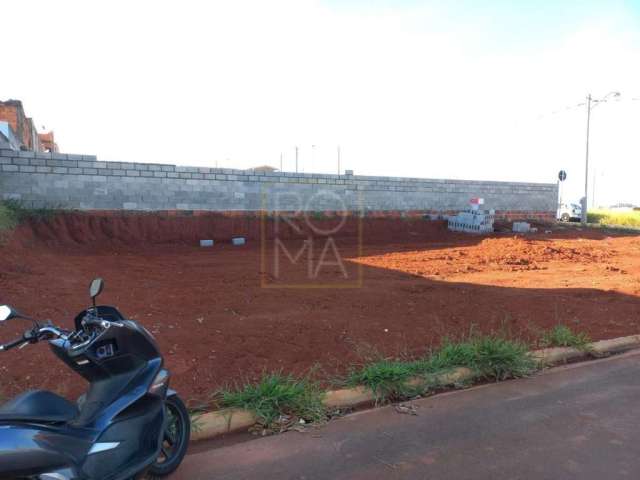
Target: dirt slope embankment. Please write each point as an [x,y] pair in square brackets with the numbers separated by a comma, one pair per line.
[109,229]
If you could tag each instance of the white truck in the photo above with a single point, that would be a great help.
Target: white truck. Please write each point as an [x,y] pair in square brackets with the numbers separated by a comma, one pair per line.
[569,212]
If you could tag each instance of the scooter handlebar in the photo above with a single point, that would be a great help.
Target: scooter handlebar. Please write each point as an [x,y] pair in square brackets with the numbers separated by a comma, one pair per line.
[95,321]
[89,321]
[35,335]
[15,343]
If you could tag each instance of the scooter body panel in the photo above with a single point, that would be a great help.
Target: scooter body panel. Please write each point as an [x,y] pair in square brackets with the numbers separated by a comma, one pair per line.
[137,433]
[31,449]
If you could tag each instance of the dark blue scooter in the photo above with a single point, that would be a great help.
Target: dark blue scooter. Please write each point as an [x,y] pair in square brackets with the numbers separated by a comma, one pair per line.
[128,424]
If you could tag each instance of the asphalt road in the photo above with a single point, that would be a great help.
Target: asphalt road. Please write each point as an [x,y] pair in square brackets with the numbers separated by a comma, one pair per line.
[575,422]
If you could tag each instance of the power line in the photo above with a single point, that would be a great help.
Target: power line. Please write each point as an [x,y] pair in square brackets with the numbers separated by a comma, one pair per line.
[583,104]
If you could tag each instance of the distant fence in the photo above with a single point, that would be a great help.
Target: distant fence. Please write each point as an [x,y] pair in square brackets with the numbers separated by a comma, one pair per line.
[82,182]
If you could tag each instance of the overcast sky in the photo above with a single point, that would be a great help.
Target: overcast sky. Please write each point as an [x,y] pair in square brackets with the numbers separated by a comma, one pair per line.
[472,89]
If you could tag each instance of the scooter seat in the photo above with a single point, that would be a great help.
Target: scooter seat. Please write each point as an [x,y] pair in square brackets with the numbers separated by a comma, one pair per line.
[38,406]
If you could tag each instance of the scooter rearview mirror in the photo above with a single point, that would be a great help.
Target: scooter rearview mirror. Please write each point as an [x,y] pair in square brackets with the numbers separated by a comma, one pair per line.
[6,313]
[95,288]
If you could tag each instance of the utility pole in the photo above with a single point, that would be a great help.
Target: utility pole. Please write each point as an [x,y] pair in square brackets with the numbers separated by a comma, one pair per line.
[296,159]
[586,164]
[280,161]
[338,159]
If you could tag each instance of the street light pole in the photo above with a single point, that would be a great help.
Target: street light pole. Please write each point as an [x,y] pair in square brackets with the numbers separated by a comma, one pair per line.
[586,164]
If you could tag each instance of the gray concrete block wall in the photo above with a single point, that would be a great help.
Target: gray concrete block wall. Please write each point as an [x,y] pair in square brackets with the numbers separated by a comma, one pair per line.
[83,182]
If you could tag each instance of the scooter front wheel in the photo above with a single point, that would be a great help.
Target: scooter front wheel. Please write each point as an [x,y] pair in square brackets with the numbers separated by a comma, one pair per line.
[175,438]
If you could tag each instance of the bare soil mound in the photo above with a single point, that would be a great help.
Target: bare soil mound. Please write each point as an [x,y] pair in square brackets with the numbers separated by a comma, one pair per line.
[531,254]
[497,253]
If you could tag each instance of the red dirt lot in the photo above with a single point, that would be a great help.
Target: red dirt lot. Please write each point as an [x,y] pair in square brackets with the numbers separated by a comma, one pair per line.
[220,317]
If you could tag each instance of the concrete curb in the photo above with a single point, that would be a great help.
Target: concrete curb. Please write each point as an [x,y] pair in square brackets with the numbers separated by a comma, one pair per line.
[552,356]
[615,345]
[213,424]
[603,348]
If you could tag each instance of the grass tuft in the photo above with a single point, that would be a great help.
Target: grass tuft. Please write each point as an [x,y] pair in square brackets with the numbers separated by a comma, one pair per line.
[13,212]
[497,358]
[563,336]
[196,424]
[8,220]
[317,215]
[450,355]
[276,395]
[490,357]
[386,378]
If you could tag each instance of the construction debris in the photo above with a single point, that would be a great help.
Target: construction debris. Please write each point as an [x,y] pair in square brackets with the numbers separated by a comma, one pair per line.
[406,409]
[473,220]
[521,227]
